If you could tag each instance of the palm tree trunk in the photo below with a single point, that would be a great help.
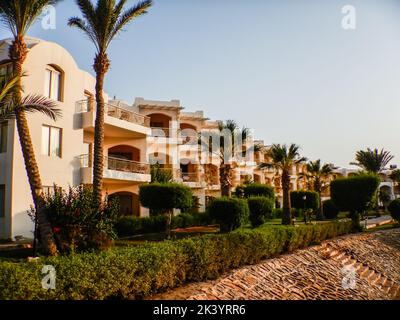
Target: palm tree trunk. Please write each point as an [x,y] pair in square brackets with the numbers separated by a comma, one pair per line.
[287,215]
[318,189]
[101,66]
[18,52]
[225,180]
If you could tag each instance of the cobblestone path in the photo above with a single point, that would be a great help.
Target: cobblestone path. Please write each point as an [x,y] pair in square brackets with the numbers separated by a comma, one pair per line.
[362,266]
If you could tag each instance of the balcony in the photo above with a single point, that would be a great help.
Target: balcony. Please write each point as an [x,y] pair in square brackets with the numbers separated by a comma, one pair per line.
[117,170]
[118,122]
[192,180]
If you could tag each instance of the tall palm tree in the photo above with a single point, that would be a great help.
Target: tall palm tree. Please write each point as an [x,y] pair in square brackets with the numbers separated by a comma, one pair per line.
[373,161]
[228,142]
[101,24]
[18,16]
[318,176]
[9,108]
[283,158]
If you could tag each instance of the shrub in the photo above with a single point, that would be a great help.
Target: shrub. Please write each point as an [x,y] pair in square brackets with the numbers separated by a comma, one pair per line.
[311,202]
[259,190]
[354,194]
[130,226]
[140,271]
[278,213]
[76,223]
[304,203]
[159,175]
[394,209]
[239,191]
[261,209]
[162,198]
[230,214]
[330,210]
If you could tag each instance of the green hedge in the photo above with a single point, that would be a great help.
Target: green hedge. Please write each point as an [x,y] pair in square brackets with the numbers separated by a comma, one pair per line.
[297,200]
[394,209]
[229,213]
[329,209]
[163,197]
[259,190]
[261,209]
[129,226]
[139,271]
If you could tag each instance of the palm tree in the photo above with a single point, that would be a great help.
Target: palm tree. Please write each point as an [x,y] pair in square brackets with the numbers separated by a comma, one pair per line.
[373,161]
[9,109]
[318,175]
[101,24]
[226,146]
[18,16]
[283,158]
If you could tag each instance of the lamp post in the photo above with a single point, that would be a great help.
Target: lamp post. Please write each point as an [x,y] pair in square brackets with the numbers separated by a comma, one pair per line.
[304,210]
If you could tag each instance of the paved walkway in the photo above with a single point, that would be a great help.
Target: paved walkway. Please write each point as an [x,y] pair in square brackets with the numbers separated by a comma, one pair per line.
[362,266]
[374,222]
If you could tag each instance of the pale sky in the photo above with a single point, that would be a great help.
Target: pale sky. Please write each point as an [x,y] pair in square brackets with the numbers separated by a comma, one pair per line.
[284,68]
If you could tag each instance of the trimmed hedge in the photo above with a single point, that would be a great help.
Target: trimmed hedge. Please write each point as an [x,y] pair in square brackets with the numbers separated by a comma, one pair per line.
[261,209]
[130,226]
[355,194]
[259,190]
[229,213]
[329,209]
[139,271]
[163,197]
[394,209]
[311,202]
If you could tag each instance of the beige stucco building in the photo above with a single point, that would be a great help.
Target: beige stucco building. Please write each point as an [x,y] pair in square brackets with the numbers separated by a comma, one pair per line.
[137,136]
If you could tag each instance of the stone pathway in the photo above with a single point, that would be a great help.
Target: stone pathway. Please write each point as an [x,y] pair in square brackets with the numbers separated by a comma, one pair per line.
[362,266]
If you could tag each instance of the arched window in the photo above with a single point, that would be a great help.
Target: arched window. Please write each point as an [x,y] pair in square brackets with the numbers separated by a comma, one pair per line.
[53,87]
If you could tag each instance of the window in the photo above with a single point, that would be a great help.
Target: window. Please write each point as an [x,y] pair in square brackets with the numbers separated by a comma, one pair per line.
[51,141]
[2,201]
[5,70]
[53,82]
[3,137]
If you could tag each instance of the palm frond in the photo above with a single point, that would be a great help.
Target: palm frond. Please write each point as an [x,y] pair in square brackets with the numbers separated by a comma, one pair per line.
[19,16]
[130,14]
[39,103]
[103,21]
[373,161]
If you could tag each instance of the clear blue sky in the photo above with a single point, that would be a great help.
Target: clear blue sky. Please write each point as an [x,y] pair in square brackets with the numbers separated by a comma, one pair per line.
[284,68]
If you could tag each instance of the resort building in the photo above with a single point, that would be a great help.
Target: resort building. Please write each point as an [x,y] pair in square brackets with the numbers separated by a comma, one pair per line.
[137,136]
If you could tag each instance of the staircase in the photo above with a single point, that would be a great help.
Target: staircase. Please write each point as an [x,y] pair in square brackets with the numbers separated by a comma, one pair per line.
[373,277]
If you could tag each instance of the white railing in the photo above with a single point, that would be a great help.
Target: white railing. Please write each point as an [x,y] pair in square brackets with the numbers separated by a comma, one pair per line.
[115,112]
[116,164]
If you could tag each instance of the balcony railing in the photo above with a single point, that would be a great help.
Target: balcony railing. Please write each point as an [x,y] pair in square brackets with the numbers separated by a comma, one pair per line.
[120,165]
[190,177]
[116,112]
[164,132]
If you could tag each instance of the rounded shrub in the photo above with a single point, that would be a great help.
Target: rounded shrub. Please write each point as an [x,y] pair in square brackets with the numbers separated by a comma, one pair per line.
[394,209]
[230,214]
[354,194]
[163,197]
[261,209]
[259,190]
[330,209]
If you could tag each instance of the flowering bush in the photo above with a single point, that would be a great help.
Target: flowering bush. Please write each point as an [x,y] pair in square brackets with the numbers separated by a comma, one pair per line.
[77,224]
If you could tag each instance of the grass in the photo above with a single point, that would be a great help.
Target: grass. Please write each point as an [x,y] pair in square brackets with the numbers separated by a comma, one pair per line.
[387,226]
